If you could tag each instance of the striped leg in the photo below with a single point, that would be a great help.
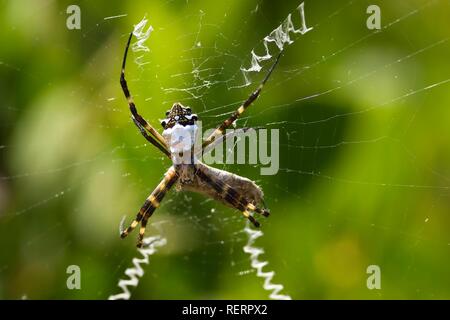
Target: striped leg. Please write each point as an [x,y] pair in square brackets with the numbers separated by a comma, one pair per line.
[148,137]
[233,198]
[220,129]
[151,204]
[228,136]
[154,138]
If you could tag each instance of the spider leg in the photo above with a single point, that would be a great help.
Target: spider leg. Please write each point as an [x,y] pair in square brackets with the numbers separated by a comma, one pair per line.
[220,129]
[232,197]
[229,135]
[252,207]
[154,138]
[151,204]
[146,135]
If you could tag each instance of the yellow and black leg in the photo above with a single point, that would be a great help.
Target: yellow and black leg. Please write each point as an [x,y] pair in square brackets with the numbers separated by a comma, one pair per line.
[228,122]
[151,204]
[154,137]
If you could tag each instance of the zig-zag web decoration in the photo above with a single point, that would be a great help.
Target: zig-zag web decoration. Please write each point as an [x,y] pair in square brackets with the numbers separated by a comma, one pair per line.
[280,36]
[258,265]
[135,273]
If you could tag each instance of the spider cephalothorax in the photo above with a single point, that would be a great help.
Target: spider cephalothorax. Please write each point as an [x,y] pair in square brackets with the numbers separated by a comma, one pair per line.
[180,130]
[179,136]
[178,114]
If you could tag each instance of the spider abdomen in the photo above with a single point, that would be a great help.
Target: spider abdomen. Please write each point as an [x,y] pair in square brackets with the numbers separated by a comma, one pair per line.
[223,186]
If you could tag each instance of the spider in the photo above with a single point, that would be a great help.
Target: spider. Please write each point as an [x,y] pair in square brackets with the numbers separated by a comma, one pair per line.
[230,189]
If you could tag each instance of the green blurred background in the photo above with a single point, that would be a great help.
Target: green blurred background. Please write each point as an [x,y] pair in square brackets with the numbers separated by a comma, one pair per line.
[364,167]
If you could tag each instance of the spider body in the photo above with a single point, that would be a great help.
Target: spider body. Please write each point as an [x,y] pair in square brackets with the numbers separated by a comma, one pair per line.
[187,172]
[180,133]
[228,188]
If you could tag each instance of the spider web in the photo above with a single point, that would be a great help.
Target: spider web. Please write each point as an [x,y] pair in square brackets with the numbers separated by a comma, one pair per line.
[341,97]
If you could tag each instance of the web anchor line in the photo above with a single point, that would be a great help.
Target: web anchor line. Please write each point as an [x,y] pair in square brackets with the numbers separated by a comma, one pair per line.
[136,272]
[258,265]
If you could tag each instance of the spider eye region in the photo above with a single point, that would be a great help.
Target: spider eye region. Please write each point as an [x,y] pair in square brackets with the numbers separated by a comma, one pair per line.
[179,114]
